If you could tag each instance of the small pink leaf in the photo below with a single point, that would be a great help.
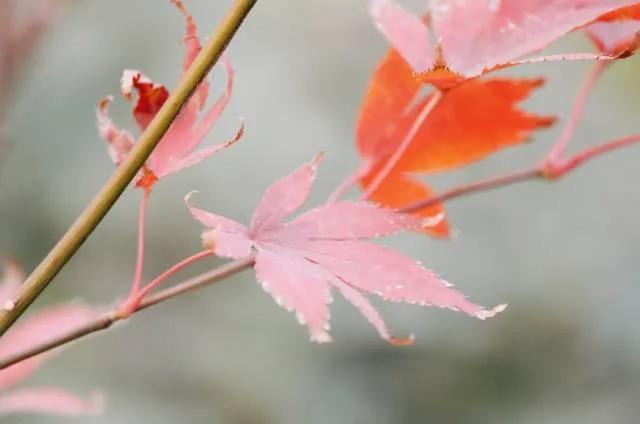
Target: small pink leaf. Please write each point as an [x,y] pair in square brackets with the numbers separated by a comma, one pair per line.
[190,159]
[193,47]
[49,401]
[186,134]
[177,149]
[212,116]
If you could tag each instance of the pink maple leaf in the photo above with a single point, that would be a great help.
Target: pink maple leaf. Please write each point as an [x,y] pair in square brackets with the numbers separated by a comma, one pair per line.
[299,262]
[176,150]
[38,328]
[471,38]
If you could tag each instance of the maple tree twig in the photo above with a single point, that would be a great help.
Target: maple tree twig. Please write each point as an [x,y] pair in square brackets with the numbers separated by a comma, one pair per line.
[483,185]
[134,300]
[230,268]
[404,145]
[106,320]
[543,171]
[120,179]
[349,181]
[567,165]
[142,217]
[569,130]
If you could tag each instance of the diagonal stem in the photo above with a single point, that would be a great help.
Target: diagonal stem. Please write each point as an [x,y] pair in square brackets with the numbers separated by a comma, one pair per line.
[567,165]
[351,180]
[479,186]
[135,299]
[539,172]
[404,145]
[569,130]
[113,188]
[106,320]
[142,217]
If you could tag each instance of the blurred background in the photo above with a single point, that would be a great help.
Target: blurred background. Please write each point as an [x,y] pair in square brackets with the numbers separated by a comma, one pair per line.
[564,255]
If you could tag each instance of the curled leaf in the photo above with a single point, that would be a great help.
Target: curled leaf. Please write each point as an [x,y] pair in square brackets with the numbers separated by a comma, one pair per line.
[177,150]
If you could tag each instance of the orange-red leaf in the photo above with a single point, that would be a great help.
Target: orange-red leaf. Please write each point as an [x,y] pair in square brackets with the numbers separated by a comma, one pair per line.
[151,96]
[390,92]
[471,121]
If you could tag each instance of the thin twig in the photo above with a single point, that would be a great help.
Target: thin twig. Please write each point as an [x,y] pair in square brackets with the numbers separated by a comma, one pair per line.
[484,185]
[106,320]
[544,172]
[142,218]
[579,106]
[202,280]
[111,191]
[404,145]
[351,180]
[133,302]
[578,159]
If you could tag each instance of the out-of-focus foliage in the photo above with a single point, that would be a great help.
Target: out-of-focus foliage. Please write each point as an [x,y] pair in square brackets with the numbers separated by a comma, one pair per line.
[565,351]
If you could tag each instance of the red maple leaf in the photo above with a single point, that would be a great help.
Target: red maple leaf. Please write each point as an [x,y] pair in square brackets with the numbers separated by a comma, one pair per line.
[472,120]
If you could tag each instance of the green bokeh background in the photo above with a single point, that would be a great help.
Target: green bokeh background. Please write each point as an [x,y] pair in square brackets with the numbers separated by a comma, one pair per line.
[563,255]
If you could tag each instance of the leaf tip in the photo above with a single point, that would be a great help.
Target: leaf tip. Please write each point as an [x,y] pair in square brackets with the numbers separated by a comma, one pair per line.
[131,77]
[317,160]
[432,221]
[239,134]
[97,403]
[485,314]
[403,341]
[321,338]
[104,103]
[187,198]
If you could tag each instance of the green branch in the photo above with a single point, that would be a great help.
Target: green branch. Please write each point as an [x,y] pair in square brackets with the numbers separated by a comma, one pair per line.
[121,178]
